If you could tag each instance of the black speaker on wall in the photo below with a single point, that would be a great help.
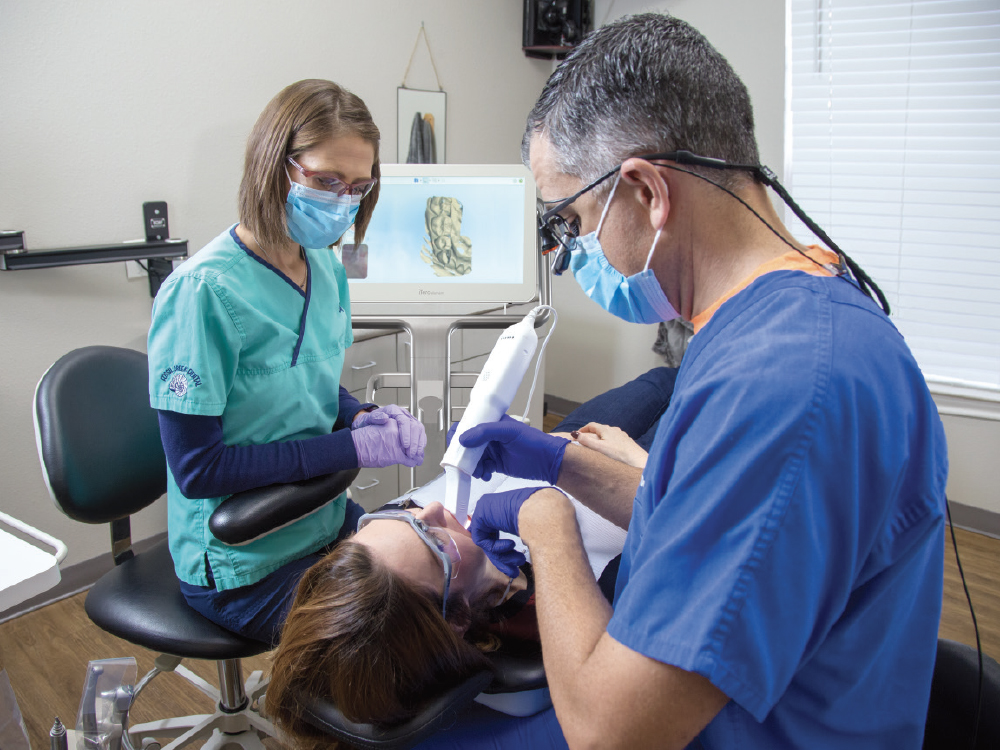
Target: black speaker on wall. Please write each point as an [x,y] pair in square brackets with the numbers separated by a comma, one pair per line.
[553,27]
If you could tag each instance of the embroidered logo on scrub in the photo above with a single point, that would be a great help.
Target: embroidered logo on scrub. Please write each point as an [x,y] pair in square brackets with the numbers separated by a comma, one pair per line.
[180,379]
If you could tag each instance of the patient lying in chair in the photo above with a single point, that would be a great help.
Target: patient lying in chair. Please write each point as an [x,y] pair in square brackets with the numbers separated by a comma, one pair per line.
[366,629]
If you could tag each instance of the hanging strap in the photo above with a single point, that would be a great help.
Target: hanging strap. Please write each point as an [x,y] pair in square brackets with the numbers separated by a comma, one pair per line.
[431,56]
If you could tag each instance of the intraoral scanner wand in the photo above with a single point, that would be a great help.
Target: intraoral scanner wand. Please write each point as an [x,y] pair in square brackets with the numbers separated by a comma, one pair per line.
[490,398]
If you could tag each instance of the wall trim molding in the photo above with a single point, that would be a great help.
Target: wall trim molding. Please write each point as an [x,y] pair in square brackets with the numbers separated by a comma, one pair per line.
[975,519]
[558,405]
[76,578]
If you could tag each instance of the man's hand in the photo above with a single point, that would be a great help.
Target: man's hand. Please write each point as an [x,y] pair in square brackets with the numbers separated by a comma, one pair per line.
[496,512]
[515,449]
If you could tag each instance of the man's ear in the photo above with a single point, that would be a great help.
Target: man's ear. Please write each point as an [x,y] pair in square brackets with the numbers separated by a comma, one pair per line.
[652,191]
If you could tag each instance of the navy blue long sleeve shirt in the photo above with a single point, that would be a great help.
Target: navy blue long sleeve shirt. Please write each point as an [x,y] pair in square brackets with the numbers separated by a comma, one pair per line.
[204,466]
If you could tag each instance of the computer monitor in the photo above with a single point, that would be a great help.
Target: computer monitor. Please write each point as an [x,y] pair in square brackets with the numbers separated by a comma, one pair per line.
[447,233]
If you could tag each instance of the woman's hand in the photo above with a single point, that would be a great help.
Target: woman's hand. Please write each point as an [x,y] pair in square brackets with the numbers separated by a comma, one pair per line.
[612,442]
[412,436]
[380,445]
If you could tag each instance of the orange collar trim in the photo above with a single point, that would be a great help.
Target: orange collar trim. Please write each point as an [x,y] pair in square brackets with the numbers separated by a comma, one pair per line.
[790,261]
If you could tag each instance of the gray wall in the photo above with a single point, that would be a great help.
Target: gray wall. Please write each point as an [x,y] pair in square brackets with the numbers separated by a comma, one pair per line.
[109,104]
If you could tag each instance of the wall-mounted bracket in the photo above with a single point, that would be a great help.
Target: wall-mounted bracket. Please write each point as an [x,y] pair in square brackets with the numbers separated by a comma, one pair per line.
[14,256]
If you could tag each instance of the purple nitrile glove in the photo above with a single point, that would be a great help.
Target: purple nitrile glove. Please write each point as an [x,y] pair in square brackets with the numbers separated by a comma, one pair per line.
[514,449]
[378,446]
[496,512]
[412,435]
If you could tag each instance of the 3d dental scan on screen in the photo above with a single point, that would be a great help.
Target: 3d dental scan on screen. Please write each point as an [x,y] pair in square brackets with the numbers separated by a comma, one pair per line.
[450,233]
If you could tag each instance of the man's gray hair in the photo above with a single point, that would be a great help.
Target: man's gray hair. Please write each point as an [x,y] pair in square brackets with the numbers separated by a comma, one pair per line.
[644,84]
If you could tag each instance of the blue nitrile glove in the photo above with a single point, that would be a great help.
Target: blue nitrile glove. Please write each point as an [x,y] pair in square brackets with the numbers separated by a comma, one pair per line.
[412,435]
[496,512]
[450,434]
[379,445]
[514,449]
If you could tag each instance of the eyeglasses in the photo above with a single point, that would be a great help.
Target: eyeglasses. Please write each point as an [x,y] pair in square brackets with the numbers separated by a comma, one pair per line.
[557,234]
[335,184]
[440,542]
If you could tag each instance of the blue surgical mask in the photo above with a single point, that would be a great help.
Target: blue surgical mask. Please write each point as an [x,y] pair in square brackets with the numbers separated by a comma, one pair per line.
[318,218]
[638,298]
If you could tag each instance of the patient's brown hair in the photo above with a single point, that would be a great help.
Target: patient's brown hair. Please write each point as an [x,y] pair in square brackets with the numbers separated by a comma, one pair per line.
[369,641]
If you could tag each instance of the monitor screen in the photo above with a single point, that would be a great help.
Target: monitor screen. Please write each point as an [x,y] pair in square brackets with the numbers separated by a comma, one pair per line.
[449,233]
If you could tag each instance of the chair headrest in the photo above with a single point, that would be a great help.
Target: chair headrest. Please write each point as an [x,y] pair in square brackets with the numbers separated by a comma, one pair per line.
[437,713]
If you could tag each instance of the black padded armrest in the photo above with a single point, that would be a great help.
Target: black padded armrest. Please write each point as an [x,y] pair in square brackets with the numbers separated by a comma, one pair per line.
[248,515]
[437,713]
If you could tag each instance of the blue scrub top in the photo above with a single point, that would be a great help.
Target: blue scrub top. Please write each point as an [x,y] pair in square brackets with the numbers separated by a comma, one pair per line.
[786,538]
[232,336]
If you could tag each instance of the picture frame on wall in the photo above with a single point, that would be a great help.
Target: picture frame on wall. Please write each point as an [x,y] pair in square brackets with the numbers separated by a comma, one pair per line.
[421,126]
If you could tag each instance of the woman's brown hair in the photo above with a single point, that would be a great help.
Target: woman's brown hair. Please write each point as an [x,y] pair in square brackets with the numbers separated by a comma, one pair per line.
[302,116]
[366,639]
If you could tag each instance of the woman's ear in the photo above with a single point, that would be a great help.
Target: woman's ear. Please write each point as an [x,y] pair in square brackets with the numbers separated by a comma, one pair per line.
[459,617]
[651,189]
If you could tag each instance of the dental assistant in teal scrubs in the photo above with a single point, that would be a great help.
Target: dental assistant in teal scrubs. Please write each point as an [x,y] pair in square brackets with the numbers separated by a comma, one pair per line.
[246,348]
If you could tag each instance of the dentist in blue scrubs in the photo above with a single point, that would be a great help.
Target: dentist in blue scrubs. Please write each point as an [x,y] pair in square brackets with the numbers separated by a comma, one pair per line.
[246,349]
[781,581]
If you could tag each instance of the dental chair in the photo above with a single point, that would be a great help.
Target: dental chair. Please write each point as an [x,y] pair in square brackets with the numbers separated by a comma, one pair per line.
[951,714]
[99,445]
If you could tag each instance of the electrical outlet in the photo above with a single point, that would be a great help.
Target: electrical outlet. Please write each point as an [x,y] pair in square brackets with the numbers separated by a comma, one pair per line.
[134,271]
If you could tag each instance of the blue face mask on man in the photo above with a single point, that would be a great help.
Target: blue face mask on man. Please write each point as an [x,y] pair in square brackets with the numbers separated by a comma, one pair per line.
[638,298]
[318,218]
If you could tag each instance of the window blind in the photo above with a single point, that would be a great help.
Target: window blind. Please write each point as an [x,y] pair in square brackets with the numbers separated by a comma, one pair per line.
[894,149]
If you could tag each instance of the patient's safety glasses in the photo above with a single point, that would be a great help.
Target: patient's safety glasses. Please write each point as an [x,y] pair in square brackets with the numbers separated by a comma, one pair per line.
[335,184]
[439,541]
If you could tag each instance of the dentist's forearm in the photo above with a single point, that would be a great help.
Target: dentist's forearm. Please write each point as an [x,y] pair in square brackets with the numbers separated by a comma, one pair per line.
[572,612]
[604,485]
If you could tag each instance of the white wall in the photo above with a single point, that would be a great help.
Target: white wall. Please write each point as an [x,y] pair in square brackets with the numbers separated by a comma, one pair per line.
[107,104]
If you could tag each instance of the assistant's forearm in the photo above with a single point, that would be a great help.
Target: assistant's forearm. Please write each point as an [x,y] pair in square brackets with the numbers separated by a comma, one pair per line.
[204,466]
[572,613]
[604,485]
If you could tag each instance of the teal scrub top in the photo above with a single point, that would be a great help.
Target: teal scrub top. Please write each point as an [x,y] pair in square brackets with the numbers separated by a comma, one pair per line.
[232,336]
